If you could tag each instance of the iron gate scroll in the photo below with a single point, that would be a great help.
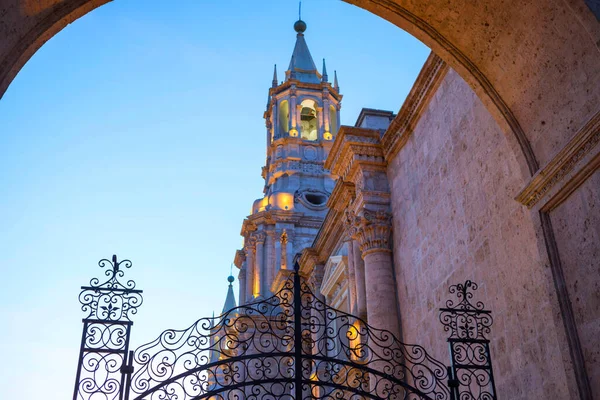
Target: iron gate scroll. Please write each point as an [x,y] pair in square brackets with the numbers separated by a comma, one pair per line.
[289,346]
[104,349]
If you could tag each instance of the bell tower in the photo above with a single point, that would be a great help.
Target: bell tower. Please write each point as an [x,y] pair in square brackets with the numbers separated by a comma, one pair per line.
[302,119]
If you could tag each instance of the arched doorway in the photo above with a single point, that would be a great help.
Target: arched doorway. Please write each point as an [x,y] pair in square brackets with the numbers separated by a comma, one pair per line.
[518,69]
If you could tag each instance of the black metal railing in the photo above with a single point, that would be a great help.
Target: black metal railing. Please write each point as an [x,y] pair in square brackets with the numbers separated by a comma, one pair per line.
[289,346]
[471,373]
[104,349]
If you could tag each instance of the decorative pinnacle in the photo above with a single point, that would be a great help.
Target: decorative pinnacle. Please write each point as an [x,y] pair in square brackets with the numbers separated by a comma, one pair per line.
[274,83]
[335,82]
[324,76]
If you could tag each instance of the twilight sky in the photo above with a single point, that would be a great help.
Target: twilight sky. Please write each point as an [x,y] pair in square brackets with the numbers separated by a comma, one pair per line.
[138,131]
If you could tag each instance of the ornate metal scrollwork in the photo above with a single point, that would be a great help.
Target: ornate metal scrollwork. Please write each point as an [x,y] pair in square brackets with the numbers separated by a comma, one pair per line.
[111,300]
[469,325]
[290,346]
[106,331]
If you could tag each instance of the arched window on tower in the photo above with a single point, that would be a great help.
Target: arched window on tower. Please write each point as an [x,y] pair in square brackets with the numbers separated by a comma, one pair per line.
[284,117]
[308,120]
[333,122]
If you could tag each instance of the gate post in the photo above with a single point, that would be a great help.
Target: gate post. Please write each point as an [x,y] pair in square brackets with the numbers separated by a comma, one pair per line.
[105,364]
[470,375]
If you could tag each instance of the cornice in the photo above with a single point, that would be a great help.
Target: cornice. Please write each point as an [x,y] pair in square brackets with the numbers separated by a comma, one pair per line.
[570,158]
[305,85]
[341,195]
[427,83]
[354,144]
[308,259]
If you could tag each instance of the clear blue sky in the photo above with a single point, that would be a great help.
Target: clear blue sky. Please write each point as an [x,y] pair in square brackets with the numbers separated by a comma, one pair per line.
[138,130]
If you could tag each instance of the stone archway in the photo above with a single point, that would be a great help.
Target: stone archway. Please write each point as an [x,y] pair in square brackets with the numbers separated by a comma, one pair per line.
[534,65]
[517,58]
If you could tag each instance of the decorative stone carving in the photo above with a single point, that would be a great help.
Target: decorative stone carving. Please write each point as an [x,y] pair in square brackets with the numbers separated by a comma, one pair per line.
[259,237]
[312,198]
[372,230]
[310,153]
[240,257]
[250,244]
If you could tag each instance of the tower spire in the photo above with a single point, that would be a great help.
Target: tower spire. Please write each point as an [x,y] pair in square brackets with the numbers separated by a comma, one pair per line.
[230,299]
[324,77]
[274,83]
[335,82]
[302,67]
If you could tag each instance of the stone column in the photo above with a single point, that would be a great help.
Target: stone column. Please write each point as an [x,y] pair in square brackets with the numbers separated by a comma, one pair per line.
[320,123]
[259,267]
[294,130]
[242,282]
[327,123]
[372,231]
[289,251]
[270,260]
[250,249]
[283,245]
[351,276]
[275,114]
[359,276]
[356,266]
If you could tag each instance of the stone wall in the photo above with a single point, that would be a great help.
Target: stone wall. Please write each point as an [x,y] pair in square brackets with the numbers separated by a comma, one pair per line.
[455,218]
[576,225]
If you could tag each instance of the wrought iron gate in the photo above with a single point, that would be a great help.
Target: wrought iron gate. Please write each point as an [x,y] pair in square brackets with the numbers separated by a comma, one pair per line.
[289,346]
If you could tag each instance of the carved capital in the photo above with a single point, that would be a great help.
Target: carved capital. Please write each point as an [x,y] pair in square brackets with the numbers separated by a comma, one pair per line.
[250,244]
[372,230]
[259,237]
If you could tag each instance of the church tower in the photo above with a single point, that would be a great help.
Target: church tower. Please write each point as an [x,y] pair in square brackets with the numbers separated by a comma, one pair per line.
[302,119]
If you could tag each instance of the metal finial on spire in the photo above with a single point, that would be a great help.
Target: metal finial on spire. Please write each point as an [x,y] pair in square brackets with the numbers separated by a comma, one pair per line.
[300,26]
[324,77]
[274,83]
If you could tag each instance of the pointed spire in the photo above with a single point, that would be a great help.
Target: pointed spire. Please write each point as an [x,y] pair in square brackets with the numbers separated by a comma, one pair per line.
[230,299]
[335,82]
[324,78]
[274,83]
[302,67]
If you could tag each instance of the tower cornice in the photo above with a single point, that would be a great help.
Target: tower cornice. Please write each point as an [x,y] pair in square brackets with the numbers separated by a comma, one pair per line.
[274,91]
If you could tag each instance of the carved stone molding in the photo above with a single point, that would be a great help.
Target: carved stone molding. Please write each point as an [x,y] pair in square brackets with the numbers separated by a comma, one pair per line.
[422,92]
[240,257]
[250,245]
[372,230]
[354,146]
[579,148]
[248,227]
[316,278]
[284,237]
